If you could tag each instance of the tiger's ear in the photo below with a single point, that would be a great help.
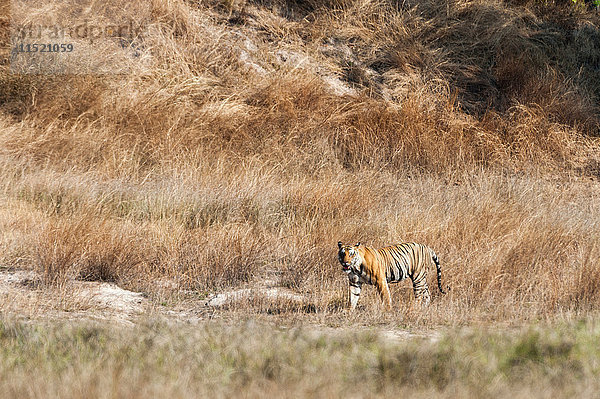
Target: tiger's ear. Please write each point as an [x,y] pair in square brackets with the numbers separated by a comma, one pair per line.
[339,244]
[358,245]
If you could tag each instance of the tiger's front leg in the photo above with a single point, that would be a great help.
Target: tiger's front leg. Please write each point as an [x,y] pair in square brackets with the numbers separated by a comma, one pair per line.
[384,292]
[354,290]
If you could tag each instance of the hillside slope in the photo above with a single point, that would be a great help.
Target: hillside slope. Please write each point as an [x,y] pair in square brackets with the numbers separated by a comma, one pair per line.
[246,138]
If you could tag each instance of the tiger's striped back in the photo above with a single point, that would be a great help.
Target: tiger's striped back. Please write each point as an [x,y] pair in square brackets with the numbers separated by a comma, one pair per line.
[410,259]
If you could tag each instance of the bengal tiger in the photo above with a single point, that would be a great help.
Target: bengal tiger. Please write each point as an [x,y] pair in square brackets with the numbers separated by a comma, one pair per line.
[383,266]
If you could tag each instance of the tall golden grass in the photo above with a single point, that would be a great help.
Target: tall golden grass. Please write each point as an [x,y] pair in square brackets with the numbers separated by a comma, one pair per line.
[231,157]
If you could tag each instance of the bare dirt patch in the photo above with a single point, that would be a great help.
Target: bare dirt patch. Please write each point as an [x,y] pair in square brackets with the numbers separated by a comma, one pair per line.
[22,294]
[273,293]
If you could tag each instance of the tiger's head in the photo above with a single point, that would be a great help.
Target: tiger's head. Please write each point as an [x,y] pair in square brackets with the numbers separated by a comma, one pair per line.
[349,257]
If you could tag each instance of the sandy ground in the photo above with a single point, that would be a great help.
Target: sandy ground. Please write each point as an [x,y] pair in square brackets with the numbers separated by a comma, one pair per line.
[22,296]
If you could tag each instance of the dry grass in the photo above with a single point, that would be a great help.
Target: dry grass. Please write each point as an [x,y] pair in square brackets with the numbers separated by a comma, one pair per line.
[252,359]
[231,156]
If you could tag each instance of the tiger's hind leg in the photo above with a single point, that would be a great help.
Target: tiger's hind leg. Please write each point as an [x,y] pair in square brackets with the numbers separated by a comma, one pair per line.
[424,298]
[421,291]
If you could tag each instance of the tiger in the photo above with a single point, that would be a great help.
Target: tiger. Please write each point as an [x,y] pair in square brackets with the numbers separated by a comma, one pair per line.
[384,266]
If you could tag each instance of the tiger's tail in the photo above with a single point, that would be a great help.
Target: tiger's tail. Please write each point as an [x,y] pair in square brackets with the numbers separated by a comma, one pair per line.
[439,272]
